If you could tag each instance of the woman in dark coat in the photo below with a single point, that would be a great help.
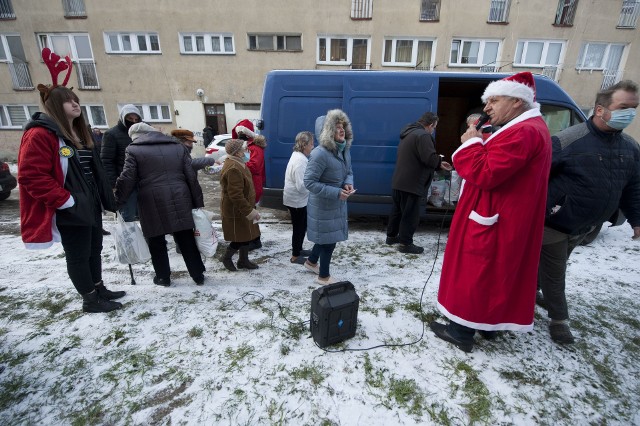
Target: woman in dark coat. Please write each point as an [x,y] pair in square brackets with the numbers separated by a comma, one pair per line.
[237,207]
[168,190]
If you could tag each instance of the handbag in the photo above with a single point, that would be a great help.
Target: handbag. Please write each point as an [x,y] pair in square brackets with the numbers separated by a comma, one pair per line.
[205,233]
[131,246]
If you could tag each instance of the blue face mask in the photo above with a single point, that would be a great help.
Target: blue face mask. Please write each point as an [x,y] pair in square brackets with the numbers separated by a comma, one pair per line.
[621,118]
[246,157]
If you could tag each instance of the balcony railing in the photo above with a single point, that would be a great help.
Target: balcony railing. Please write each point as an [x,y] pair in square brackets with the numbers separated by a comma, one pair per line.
[551,72]
[20,76]
[629,14]
[610,78]
[489,68]
[361,9]
[74,9]
[6,10]
[87,75]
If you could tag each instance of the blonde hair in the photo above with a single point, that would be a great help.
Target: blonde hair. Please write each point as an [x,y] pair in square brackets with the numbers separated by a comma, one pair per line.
[302,139]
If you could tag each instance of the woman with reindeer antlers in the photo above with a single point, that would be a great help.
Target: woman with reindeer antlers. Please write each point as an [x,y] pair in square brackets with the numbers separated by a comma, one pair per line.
[63,188]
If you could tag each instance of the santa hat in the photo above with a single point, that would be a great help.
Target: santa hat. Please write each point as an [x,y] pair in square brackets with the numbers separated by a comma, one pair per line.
[521,85]
[243,127]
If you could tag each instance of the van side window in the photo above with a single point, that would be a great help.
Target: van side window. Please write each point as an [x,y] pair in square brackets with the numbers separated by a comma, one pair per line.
[559,118]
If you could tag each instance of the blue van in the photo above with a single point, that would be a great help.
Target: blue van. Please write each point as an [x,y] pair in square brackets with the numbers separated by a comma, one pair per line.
[380,104]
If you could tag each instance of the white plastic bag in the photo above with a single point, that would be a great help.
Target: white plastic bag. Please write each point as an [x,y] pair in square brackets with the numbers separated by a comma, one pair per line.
[205,233]
[438,189]
[131,247]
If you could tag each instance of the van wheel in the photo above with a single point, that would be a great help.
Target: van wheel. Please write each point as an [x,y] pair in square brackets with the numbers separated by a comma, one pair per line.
[591,236]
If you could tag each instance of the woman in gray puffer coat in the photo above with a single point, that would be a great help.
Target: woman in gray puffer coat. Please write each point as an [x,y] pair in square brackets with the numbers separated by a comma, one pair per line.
[168,190]
[329,179]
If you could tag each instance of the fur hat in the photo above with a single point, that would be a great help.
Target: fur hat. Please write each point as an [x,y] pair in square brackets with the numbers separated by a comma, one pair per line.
[520,85]
[183,134]
[140,129]
[234,145]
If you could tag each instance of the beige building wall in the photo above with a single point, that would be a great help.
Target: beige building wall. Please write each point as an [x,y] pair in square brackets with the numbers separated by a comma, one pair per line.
[232,80]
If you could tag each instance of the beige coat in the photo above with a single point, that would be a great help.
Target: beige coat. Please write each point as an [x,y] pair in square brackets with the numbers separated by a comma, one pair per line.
[238,201]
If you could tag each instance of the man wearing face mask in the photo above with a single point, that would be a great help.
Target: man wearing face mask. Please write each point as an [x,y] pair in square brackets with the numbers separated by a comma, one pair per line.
[114,143]
[594,172]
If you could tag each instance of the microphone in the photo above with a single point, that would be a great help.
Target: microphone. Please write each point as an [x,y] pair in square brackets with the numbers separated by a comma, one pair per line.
[482,120]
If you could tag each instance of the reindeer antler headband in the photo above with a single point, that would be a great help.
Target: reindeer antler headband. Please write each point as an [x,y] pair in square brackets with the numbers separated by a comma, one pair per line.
[56,66]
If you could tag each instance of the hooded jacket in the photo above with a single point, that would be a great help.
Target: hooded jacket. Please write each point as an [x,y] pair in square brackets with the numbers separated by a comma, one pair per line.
[255,145]
[416,161]
[168,188]
[53,188]
[328,170]
[114,143]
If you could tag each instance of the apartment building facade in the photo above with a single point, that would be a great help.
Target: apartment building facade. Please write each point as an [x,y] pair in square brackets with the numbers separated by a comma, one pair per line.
[187,63]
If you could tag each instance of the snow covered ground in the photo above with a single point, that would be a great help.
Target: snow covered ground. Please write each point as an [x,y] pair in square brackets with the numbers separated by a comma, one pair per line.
[238,350]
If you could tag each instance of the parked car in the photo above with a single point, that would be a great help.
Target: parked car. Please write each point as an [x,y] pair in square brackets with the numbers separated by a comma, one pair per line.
[7,181]
[216,148]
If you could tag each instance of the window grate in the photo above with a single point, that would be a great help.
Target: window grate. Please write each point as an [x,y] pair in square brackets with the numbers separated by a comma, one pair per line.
[566,12]
[430,10]
[6,10]
[361,9]
[74,9]
[20,76]
[499,11]
[629,14]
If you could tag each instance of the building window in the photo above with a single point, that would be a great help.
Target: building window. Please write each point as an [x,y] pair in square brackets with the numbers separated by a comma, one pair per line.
[248,107]
[465,52]
[600,56]
[132,43]
[415,53]
[430,10]
[78,47]
[361,9]
[281,42]
[153,113]
[629,14]
[538,53]
[344,50]
[499,11]
[6,10]
[12,53]
[207,44]
[74,9]
[94,115]
[566,12]
[15,116]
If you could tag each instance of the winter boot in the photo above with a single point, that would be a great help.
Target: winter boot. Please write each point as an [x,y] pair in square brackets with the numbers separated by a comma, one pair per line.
[108,294]
[244,262]
[227,260]
[92,302]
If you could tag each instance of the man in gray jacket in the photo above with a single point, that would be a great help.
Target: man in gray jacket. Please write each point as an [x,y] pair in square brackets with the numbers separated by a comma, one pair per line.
[416,161]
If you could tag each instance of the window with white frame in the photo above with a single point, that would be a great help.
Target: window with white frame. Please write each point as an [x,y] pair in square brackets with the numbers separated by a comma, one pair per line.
[207,44]
[600,56]
[538,53]
[78,47]
[132,43]
[361,9]
[6,10]
[15,116]
[430,10]
[281,42]
[408,52]
[465,52]
[344,50]
[153,113]
[499,11]
[566,12]
[629,14]
[94,115]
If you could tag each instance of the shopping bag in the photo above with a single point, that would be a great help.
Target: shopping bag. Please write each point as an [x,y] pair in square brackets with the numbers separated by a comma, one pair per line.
[205,233]
[131,247]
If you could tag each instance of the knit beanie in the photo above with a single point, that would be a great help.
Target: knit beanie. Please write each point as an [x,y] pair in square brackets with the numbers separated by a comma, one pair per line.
[234,146]
[140,129]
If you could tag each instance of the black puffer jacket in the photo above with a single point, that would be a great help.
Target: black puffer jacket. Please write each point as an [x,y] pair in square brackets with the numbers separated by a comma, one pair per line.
[114,143]
[168,187]
[592,175]
[416,160]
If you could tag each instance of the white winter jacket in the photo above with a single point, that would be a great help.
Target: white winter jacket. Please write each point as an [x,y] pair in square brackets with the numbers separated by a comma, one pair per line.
[295,194]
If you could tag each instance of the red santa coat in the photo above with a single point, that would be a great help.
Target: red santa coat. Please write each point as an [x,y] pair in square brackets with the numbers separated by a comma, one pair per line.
[489,271]
[257,168]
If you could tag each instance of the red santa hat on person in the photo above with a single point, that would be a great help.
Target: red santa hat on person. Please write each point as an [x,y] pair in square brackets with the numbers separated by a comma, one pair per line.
[520,85]
[244,127]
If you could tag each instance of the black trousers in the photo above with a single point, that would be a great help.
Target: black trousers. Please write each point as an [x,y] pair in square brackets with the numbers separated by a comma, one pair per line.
[188,247]
[405,216]
[299,222]
[83,250]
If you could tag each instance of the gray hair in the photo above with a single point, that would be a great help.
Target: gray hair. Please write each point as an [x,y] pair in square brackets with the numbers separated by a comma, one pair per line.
[302,139]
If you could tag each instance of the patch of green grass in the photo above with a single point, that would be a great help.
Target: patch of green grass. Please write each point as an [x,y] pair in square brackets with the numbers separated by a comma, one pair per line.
[235,357]
[144,315]
[414,308]
[12,391]
[118,337]
[308,372]
[389,309]
[53,304]
[297,330]
[479,406]
[195,332]
[13,358]
[522,377]
[407,394]
[373,377]
[284,349]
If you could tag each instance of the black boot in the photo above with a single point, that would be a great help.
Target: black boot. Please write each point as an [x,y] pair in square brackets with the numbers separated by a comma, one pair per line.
[254,244]
[92,302]
[244,262]
[108,294]
[227,260]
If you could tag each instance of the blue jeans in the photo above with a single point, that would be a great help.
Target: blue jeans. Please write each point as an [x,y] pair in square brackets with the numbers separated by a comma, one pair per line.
[324,253]
[129,211]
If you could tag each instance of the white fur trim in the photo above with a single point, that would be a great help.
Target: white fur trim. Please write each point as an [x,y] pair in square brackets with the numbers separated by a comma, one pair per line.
[484,326]
[509,88]
[483,220]
[245,131]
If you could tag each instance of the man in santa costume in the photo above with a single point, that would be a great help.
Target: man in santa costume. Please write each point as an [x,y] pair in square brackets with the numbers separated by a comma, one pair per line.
[489,273]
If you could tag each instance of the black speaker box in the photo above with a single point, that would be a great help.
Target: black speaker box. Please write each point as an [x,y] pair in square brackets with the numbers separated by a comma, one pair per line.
[334,313]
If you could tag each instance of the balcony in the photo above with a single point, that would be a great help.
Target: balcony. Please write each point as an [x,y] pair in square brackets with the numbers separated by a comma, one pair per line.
[87,75]
[20,76]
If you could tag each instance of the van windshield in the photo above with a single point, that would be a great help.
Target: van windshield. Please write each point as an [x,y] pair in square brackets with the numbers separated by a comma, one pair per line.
[559,118]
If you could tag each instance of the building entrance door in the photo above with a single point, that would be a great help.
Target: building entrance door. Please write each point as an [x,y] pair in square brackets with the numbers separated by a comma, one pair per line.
[215,117]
